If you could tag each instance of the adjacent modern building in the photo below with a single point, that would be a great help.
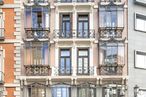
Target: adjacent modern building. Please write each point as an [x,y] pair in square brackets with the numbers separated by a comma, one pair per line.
[136,48]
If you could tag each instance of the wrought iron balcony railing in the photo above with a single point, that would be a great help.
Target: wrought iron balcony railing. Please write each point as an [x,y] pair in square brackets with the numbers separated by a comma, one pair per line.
[1,77]
[37,33]
[110,34]
[37,70]
[74,34]
[1,2]
[65,71]
[72,71]
[111,69]
[85,71]
[71,1]
[2,33]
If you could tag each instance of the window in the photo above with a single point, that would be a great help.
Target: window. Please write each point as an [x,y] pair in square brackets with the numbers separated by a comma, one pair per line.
[82,0]
[1,67]
[83,61]
[1,25]
[65,26]
[140,59]
[63,1]
[36,53]
[61,91]
[111,16]
[36,17]
[111,53]
[141,93]
[111,92]
[36,90]
[83,26]
[65,62]
[140,22]
[86,92]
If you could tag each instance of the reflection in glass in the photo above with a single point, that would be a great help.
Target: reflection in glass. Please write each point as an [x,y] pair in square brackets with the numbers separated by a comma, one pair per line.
[111,53]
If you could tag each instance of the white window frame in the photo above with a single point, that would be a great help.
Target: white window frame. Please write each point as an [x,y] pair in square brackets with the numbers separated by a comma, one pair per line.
[141,93]
[142,56]
[2,24]
[142,17]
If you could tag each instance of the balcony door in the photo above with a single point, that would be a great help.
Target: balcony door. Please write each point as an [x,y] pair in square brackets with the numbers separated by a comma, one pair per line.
[83,61]
[65,62]
[83,26]
[65,26]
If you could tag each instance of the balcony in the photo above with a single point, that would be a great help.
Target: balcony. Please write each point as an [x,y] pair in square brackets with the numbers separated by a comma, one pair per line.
[36,34]
[2,34]
[111,69]
[1,77]
[74,34]
[110,33]
[36,2]
[111,21]
[1,2]
[37,70]
[85,71]
[71,71]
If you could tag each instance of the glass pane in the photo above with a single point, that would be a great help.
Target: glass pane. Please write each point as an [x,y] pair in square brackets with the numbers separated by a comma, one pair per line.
[68,65]
[85,33]
[45,54]
[140,24]
[80,29]
[83,53]
[28,18]
[59,92]
[80,63]
[113,19]
[102,18]
[64,92]
[62,65]
[86,65]
[65,52]
[45,18]
[120,17]
[121,54]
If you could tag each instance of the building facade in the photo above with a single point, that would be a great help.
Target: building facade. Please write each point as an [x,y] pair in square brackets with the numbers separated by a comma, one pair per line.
[10,46]
[136,48]
[66,48]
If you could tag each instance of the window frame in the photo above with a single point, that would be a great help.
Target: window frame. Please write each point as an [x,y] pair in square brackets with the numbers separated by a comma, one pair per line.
[60,87]
[141,17]
[59,67]
[36,86]
[87,90]
[114,44]
[78,21]
[113,8]
[36,48]
[135,59]
[88,56]
[61,25]
[43,11]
